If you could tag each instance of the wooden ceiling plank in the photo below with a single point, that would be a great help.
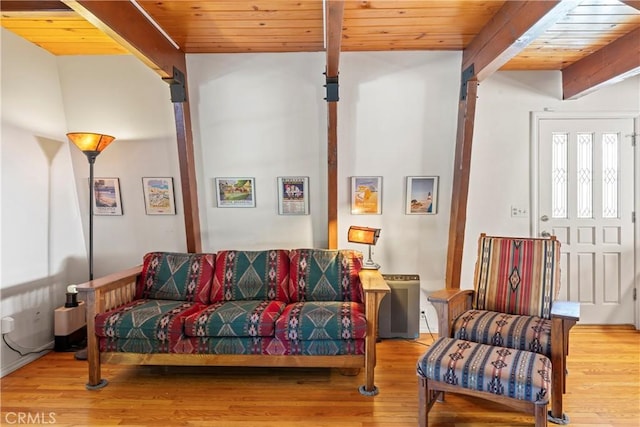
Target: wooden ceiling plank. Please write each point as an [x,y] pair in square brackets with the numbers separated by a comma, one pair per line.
[231,16]
[127,25]
[477,11]
[454,23]
[188,22]
[154,7]
[33,6]
[606,66]
[258,34]
[422,4]
[515,25]
[47,23]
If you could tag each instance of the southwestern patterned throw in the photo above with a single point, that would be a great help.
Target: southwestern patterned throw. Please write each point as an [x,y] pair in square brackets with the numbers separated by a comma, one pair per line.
[277,302]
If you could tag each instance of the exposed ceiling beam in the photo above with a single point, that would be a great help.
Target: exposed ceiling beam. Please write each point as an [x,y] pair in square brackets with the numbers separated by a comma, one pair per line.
[461,176]
[611,64]
[632,3]
[334,14]
[333,24]
[33,6]
[123,22]
[514,27]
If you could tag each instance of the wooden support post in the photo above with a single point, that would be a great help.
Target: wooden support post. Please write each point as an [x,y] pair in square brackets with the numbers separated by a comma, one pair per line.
[461,172]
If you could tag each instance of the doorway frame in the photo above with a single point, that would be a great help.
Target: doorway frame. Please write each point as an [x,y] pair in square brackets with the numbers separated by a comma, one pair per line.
[535,118]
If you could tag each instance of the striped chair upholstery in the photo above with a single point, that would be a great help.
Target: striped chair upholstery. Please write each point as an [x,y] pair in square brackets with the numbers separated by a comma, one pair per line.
[515,282]
[521,375]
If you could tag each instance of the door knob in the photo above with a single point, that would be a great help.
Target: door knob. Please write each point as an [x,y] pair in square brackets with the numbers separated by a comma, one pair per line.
[545,234]
[544,218]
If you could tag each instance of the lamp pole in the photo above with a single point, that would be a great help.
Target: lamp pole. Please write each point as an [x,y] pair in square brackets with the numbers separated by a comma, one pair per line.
[91,156]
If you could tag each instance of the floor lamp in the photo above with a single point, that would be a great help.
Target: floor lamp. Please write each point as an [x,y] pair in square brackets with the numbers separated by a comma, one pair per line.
[91,144]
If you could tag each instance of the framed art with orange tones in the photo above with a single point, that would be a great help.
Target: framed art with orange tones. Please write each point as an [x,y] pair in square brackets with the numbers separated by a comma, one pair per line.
[366,195]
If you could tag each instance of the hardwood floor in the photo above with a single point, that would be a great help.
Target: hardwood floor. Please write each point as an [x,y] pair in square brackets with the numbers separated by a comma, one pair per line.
[603,390]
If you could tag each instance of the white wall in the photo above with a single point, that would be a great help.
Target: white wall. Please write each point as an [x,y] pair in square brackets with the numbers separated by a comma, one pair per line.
[397,118]
[264,116]
[260,116]
[42,242]
[120,96]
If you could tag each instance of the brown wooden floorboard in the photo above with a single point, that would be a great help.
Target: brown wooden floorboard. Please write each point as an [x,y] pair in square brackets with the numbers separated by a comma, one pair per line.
[603,390]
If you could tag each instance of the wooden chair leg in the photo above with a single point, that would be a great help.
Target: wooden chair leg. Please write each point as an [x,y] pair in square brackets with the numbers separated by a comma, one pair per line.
[540,413]
[423,402]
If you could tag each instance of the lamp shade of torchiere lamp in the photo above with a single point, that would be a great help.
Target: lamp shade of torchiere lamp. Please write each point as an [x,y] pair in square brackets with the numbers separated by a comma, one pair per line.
[91,144]
[367,236]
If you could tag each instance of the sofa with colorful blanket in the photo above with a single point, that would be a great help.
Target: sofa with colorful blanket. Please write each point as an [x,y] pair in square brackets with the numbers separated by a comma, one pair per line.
[282,308]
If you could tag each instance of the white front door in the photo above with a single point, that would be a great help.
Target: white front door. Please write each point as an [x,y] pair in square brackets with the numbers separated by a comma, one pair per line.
[585,198]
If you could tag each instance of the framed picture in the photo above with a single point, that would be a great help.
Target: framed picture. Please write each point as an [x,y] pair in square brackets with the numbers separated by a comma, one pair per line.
[422,195]
[293,195]
[106,196]
[235,192]
[158,196]
[366,195]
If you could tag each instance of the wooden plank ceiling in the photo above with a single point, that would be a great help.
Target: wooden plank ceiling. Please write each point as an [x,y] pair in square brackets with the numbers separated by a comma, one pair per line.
[297,26]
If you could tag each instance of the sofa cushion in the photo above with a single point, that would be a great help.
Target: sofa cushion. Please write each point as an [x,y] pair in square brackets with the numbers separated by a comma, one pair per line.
[528,333]
[235,319]
[251,275]
[325,275]
[176,276]
[150,320]
[322,320]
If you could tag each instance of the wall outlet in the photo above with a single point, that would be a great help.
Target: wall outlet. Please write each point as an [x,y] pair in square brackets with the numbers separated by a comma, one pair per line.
[7,325]
[519,212]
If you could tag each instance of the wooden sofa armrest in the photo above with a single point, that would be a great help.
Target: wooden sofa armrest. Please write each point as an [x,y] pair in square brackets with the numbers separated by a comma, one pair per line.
[101,295]
[449,304]
[375,288]
[110,291]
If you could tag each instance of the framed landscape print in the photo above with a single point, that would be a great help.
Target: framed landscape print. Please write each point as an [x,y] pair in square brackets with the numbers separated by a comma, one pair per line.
[422,195]
[235,192]
[366,195]
[158,196]
[106,196]
[293,195]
